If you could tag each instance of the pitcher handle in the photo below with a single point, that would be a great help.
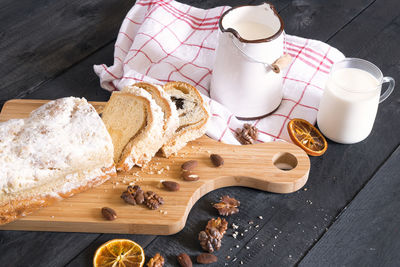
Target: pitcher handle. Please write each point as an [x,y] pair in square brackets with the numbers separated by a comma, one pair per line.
[281,63]
[389,90]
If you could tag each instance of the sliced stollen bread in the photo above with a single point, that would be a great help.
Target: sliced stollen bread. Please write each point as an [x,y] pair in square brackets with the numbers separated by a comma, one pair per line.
[61,149]
[171,120]
[193,116]
[135,123]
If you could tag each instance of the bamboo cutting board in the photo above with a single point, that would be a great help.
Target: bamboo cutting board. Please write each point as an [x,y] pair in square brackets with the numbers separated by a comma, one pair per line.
[256,166]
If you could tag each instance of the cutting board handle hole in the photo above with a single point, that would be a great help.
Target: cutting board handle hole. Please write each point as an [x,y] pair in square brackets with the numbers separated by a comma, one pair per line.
[284,161]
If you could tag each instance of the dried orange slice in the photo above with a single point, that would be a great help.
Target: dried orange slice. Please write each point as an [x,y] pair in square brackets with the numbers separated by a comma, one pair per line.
[306,136]
[119,253]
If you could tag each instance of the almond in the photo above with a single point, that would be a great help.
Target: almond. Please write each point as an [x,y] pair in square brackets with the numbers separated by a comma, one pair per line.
[206,258]
[184,260]
[189,176]
[171,186]
[189,165]
[109,213]
[217,160]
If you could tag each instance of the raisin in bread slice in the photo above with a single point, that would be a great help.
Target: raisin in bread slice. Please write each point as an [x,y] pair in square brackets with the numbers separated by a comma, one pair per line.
[135,123]
[193,116]
[171,120]
[61,149]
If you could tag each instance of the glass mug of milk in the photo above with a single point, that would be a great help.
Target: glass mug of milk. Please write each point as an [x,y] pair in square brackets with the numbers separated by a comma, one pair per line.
[350,101]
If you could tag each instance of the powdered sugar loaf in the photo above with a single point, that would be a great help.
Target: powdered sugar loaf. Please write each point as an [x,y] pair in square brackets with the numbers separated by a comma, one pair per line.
[62,138]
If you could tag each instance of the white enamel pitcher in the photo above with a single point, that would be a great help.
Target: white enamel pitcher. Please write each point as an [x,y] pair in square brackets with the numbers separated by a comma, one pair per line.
[247,76]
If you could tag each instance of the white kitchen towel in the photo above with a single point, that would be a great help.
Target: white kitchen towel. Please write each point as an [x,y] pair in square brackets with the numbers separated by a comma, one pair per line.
[161,41]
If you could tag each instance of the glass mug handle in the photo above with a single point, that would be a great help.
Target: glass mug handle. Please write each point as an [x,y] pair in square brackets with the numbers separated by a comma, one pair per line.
[389,90]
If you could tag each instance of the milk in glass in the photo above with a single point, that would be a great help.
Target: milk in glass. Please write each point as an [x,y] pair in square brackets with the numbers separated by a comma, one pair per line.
[348,106]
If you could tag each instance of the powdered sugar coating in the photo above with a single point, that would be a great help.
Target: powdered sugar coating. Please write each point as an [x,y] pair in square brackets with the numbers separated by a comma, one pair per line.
[59,139]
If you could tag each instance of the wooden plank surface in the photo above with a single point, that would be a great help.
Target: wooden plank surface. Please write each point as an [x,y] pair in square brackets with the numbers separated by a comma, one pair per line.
[255,166]
[321,19]
[43,38]
[358,28]
[368,229]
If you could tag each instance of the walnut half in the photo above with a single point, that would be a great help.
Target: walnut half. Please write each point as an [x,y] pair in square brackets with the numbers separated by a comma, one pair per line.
[210,239]
[247,135]
[133,195]
[227,206]
[156,261]
[152,200]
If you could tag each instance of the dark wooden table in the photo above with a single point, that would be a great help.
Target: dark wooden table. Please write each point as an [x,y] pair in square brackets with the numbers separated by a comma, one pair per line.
[348,214]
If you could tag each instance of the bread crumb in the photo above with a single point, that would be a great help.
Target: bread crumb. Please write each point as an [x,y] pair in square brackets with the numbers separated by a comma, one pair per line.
[234,235]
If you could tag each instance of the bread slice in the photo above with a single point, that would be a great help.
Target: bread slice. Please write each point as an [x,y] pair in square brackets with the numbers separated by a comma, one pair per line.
[135,123]
[171,120]
[193,116]
[61,149]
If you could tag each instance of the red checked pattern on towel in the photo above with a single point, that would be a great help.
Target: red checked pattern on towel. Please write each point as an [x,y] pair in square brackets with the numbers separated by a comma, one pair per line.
[161,41]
